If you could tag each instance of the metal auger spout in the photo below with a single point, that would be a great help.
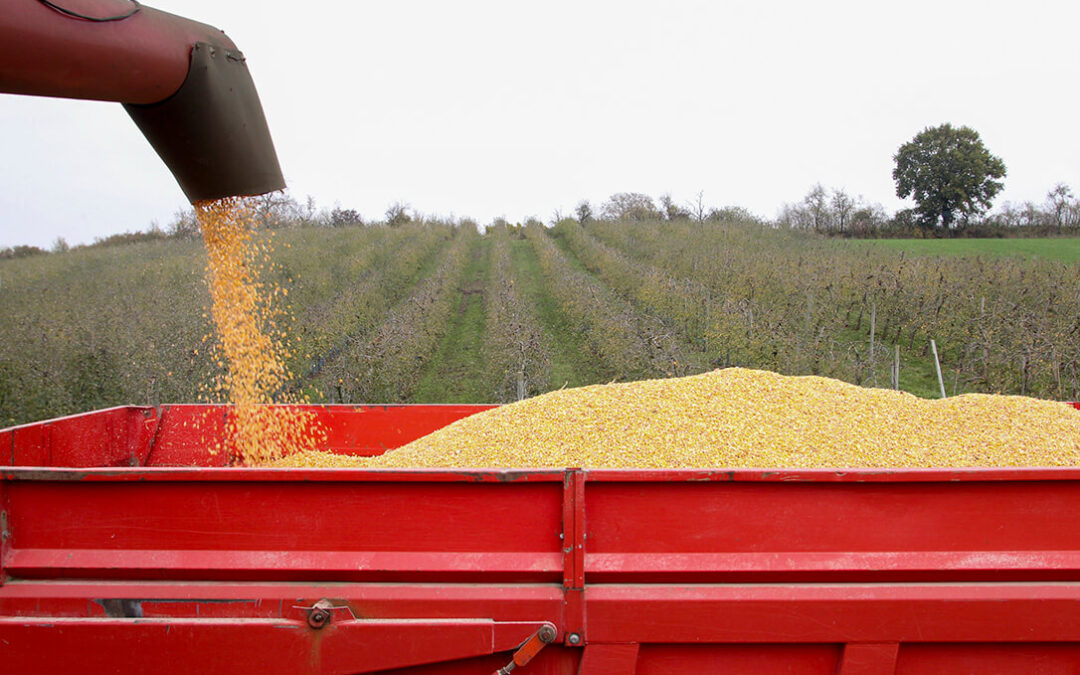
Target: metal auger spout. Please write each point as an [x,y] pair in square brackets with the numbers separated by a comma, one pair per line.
[184,83]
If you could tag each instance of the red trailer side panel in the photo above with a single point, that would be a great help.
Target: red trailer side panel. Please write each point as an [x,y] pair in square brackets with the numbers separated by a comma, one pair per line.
[436,571]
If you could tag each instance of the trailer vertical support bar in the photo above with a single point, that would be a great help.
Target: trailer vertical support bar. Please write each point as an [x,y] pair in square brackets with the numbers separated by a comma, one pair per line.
[5,530]
[574,557]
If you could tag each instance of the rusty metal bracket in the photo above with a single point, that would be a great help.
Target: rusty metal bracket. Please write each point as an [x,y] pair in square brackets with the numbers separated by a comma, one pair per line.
[320,614]
[525,653]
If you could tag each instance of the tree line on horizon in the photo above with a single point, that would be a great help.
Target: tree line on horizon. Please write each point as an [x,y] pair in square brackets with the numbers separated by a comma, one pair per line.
[947,170]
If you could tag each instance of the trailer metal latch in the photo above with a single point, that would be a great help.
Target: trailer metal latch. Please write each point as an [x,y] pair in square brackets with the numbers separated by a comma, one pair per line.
[321,613]
[525,653]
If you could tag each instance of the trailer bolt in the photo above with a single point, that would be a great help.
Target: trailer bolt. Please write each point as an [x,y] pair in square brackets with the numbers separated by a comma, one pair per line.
[319,615]
[318,618]
[573,639]
[546,634]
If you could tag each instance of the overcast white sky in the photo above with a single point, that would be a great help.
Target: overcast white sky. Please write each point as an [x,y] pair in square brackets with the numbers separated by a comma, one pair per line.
[504,108]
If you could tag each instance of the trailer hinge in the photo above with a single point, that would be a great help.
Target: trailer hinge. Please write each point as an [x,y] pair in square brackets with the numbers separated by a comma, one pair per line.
[525,653]
[322,613]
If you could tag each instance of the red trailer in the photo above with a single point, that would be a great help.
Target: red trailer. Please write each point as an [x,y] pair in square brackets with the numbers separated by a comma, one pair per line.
[127,546]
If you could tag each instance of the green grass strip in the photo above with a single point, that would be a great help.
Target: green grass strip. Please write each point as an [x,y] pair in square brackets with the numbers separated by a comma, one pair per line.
[1065,250]
[456,373]
[571,364]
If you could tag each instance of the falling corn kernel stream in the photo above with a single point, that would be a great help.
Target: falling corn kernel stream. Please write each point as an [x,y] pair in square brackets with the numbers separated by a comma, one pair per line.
[253,354]
[743,418]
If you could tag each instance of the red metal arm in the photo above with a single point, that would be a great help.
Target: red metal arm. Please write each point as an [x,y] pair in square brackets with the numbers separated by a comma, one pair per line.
[143,58]
[528,651]
[185,85]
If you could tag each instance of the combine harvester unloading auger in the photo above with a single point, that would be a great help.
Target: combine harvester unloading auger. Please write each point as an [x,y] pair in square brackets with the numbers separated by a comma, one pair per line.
[184,83]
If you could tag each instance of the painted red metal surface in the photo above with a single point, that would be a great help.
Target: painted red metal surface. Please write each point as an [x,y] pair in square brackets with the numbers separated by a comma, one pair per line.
[185,435]
[143,58]
[137,544]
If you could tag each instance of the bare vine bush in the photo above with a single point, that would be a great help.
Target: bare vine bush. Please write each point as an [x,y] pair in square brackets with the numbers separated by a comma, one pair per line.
[102,326]
[736,328]
[98,327]
[799,304]
[386,365]
[673,301]
[514,346]
[630,345]
[364,273]
[725,330]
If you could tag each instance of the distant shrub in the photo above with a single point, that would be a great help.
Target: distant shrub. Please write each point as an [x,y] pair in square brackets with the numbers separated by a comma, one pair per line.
[340,217]
[184,225]
[127,238]
[630,206]
[733,214]
[671,210]
[584,212]
[397,214]
[21,251]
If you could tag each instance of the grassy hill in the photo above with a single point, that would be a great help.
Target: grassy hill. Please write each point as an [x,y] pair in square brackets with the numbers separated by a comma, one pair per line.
[1065,250]
[437,312]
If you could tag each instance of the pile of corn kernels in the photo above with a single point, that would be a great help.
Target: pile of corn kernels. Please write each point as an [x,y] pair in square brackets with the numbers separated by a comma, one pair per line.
[742,418]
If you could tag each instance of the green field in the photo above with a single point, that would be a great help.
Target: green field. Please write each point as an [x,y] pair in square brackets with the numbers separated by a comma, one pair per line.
[430,312]
[1063,250]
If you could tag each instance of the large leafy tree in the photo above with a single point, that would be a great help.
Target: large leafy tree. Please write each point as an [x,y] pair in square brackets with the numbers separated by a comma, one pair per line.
[949,173]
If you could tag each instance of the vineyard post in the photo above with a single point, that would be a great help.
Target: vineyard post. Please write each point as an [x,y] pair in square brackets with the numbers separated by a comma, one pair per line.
[896,368]
[983,333]
[873,328]
[1056,368]
[708,309]
[937,367]
[808,327]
